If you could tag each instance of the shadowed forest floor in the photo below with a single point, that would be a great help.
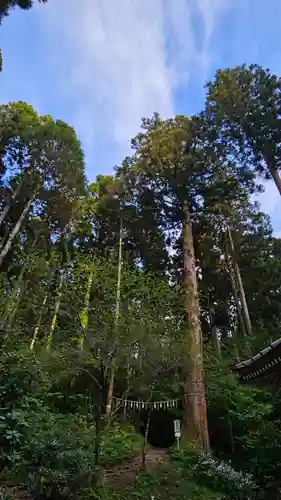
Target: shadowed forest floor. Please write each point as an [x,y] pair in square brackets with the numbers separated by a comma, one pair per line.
[127,473]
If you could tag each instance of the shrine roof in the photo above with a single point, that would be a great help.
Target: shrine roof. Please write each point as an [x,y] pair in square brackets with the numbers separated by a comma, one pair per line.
[264,363]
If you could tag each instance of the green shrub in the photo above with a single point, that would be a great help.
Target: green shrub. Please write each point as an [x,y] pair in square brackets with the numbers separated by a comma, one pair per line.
[13,434]
[60,458]
[260,453]
[119,443]
[52,453]
[217,475]
[169,483]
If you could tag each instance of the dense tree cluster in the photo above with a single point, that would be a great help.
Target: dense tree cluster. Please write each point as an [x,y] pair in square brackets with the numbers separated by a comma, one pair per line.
[147,284]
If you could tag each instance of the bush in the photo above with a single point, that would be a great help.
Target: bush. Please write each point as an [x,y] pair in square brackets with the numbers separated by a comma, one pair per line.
[52,453]
[119,443]
[217,475]
[260,453]
[60,458]
[13,431]
[169,483]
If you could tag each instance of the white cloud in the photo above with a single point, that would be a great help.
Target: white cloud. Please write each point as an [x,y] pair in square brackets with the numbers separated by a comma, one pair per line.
[211,10]
[121,60]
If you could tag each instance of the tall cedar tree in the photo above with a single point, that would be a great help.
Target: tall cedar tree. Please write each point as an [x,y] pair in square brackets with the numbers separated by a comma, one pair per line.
[244,105]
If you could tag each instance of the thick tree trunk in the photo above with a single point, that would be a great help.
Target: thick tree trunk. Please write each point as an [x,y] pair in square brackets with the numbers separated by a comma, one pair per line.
[7,246]
[117,314]
[55,315]
[196,424]
[240,285]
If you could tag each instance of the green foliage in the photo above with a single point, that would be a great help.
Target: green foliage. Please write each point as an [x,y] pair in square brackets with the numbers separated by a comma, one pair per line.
[60,456]
[217,475]
[169,482]
[245,404]
[7,5]
[119,444]
[260,454]
[63,331]
[50,452]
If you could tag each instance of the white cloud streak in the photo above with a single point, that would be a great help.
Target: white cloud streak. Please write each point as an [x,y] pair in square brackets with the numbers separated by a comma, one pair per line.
[121,60]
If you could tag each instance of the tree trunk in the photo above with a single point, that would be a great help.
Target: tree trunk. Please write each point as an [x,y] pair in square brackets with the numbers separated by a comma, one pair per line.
[98,418]
[38,324]
[13,301]
[84,315]
[7,246]
[99,425]
[236,295]
[144,445]
[196,424]
[214,329]
[275,174]
[9,205]
[217,347]
[55,315]
[240,285]
[117,313]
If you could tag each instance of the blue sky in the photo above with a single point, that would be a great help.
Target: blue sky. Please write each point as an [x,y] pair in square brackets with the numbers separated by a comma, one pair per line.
[101,65]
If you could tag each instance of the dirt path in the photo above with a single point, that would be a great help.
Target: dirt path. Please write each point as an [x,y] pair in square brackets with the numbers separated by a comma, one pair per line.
[126,473]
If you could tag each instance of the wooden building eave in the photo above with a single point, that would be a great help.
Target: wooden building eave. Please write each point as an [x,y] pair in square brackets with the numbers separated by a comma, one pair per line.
[263,364]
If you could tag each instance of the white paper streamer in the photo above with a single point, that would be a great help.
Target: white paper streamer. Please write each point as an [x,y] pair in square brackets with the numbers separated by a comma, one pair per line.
[156,405]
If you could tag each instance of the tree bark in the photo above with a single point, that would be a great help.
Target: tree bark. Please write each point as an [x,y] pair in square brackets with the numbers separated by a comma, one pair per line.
[9,205]
[13,301]
[196,424]
[240,285]
[217,348]
[274,173]
[149,412]
[55,315]
[84,315]
[18,292]
[214,331]
[235,294]
[38,324]
[117,314]
[7,246]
